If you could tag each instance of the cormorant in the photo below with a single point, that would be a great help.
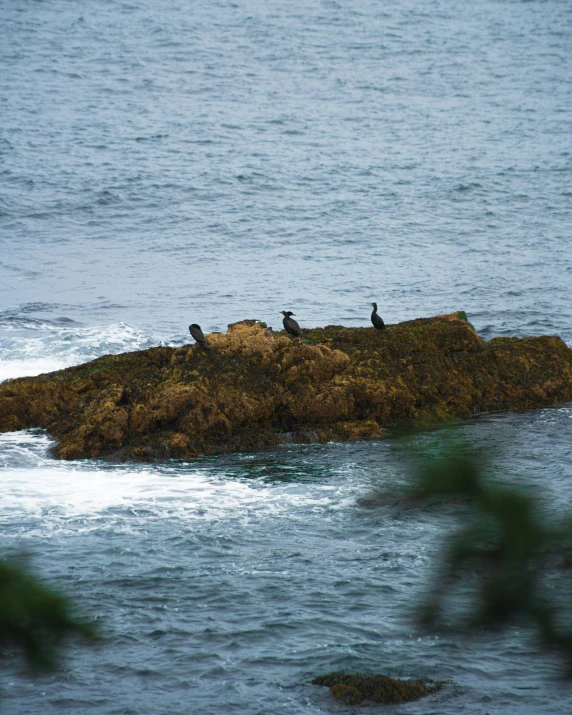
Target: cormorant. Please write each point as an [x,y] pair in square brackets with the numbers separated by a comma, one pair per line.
[376,320]
[290,326]
[197,334]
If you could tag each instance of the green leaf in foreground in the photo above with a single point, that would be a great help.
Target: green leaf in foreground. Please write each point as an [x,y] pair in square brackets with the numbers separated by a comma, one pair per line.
[506,566]
[34,619]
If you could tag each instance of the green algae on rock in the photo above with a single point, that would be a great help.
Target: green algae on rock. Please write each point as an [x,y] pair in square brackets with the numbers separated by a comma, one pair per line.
[257,388]
[380,689]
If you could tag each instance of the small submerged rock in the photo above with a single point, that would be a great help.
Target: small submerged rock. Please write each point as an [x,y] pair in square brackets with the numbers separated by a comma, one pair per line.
[380,689]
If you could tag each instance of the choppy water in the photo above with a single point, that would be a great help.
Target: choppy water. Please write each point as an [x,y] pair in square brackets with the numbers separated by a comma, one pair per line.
[167,163]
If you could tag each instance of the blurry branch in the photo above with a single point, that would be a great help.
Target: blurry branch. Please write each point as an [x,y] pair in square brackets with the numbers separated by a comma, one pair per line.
[507,566]
[34,619]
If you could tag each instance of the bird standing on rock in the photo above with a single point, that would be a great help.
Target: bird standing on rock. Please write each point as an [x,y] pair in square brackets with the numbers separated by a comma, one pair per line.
[376,319]
[197,334]
[290,326]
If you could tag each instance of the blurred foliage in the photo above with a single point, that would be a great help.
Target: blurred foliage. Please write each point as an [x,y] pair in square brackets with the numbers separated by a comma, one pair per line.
[35,620]
[507,566]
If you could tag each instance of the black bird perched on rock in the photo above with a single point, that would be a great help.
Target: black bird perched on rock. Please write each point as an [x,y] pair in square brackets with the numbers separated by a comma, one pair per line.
[197,334]
[376,319]
[290,326]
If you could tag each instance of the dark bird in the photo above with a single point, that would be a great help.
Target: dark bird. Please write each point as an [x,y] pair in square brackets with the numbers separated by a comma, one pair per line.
[376,319]
[197,334]
[290,326]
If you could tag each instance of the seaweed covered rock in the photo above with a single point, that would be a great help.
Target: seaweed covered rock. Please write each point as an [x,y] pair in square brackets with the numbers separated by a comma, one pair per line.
[257,388]
[380,689]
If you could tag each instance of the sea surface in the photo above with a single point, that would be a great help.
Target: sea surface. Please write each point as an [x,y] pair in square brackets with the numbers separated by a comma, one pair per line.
[163,163]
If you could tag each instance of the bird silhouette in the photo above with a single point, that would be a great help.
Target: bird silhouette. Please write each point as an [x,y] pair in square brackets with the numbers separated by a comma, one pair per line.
[376,319]
[290,326]
[197,334]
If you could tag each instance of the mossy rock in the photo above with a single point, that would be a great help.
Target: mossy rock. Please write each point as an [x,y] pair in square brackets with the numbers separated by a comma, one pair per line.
[258,388]
[380,689]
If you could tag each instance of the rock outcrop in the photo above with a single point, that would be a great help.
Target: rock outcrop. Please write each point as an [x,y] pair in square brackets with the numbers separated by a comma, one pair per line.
[257,388]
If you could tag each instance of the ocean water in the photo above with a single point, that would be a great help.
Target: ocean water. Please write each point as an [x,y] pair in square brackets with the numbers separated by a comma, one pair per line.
[177,162]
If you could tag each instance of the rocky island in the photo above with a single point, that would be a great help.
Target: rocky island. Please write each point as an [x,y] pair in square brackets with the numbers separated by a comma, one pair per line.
[258,388]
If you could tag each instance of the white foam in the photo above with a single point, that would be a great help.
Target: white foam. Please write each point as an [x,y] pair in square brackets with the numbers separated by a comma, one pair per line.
[47,347]
[10,369]
[45,495]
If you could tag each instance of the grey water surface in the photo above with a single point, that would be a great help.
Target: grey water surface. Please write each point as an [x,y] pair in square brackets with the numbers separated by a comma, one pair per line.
[163,163]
